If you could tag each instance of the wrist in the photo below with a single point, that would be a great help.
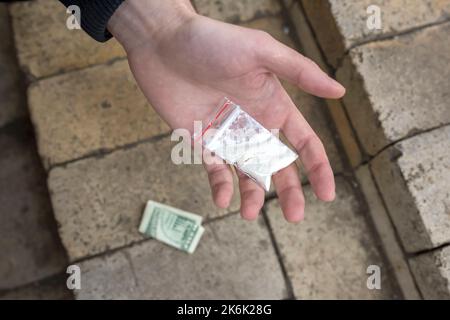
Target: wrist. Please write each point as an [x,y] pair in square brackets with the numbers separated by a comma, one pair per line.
[146,22]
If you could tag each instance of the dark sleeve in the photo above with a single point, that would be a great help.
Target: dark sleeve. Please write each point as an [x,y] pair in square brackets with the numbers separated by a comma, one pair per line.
[95,15]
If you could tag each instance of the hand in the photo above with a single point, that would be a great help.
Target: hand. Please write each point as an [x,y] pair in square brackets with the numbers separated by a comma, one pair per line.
[186,63]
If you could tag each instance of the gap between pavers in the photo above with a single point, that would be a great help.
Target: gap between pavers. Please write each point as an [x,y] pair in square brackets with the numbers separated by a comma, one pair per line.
[414,178]
[398,88]
[337,111]
[352,148]
[98,202]
[46,47]
[78,113]
[387,233]
[432,272]
[343,24]
[88,197]
[82,122]
[234,260]
[326,256]
[423,96]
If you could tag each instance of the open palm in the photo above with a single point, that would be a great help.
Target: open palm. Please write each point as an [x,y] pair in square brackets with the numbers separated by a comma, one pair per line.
[184,76]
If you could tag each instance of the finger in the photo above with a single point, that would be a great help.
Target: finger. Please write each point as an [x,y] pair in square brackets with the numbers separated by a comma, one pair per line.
[252,197]
[299,70]
[312,154]
[290,194]
[221,182]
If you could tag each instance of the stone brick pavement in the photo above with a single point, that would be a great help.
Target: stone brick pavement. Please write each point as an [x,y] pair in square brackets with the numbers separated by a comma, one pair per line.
[432,271]
[342,25]
[98,202]
[234,260]
[100,180]
[389,104]
[327,255]
[46,47]
[397,107]
[79,114]
[414,175]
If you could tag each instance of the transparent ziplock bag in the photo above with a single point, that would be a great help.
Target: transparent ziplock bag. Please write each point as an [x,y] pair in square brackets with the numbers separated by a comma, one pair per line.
[234,136]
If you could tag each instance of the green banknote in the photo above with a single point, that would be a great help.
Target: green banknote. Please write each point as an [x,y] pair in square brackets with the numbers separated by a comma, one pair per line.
[175,227]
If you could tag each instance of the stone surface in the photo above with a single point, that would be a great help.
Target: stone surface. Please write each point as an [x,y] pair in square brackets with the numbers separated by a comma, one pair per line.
[340,25]
[386,232]
[12,97]
[30,249]
[79,113]
[312,108]
[236,10]
[98,202]
[46,46]
[327,255]
[432,272]
[398,87]
[234,260]
[414,179]
[49,289]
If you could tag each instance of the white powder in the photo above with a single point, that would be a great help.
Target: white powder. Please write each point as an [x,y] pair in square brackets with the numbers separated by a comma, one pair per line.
[241,141]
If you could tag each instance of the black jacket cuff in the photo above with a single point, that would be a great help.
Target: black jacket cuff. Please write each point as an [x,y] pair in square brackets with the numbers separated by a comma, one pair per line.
[95,15]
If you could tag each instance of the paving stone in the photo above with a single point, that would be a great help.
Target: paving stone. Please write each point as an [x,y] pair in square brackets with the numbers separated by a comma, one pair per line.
[432,272]
[414,179]
[339,25]
[98,202]
[46,46]
[236,11]
[12,98]
[312,108]
[327,255]
[49,289]
[30,249]
[399,87]
[79,113]
[387,234]
[234,260]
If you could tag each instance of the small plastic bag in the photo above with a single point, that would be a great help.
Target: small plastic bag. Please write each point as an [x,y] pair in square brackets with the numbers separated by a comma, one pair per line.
[234,136]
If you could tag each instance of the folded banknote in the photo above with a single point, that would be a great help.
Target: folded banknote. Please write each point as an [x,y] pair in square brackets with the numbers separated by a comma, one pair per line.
[175,227]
